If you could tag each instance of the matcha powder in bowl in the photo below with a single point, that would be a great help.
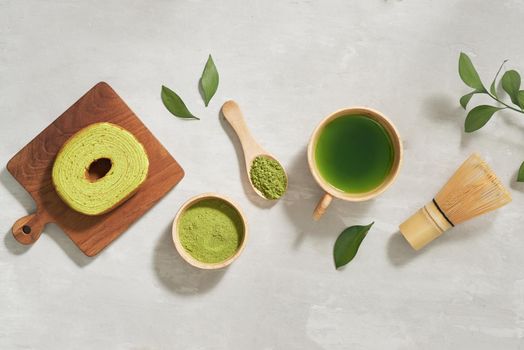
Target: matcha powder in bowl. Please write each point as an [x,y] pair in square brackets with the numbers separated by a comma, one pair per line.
[209,232]
[268,176]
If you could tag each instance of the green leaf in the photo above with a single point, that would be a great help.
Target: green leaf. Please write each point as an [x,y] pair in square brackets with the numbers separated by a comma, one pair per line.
[493,86]
[511,84]
[174,104]
[520,177]
[479,116]
[468,74]
[521,99]
[493,89]
[347,244]
[465,99]
[209,80]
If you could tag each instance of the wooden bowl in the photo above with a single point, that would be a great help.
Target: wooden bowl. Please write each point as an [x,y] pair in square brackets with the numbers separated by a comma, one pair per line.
[331,191]
[182,251]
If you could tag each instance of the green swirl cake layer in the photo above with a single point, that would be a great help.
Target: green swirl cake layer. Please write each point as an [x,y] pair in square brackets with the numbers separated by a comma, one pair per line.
[98,168]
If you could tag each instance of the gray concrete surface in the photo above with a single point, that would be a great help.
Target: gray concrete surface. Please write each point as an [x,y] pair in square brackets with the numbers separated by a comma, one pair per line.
[288,64]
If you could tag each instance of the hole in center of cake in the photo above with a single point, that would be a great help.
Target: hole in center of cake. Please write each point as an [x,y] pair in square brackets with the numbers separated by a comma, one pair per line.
[98,169]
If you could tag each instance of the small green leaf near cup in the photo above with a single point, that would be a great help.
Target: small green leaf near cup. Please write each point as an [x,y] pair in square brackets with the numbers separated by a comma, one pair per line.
[520,176]
[348,242]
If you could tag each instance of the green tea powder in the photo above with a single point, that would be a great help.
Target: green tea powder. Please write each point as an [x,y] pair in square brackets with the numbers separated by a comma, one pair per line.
[268,176]
[211,230]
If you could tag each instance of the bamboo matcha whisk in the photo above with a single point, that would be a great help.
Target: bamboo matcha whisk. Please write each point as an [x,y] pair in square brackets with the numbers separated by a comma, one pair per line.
[473,190]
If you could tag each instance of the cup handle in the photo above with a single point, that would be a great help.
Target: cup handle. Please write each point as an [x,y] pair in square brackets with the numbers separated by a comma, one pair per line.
[322,205]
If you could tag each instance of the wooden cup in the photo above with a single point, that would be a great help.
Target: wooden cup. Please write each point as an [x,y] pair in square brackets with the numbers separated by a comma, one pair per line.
[182,251]
[330,190]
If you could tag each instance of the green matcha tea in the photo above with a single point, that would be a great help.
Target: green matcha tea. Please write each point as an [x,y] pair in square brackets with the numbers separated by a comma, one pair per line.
[268,176]
[211,230]
[354,153]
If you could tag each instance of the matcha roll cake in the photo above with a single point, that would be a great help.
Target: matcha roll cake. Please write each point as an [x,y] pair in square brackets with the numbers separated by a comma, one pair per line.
[98,168]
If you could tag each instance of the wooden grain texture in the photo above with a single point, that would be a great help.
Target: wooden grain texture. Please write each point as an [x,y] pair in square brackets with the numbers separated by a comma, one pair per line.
[32,166]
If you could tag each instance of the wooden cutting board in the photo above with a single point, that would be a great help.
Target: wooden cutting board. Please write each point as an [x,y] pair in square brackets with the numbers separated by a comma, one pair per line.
[32,166]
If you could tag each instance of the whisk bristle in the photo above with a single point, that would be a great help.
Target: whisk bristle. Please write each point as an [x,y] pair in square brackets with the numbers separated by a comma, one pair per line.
[473,190]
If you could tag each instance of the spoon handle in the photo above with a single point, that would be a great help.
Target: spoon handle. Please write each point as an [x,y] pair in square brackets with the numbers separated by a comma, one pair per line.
[234,116]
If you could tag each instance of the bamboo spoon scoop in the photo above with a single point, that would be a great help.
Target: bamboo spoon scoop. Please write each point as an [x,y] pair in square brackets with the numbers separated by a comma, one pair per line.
[251,148]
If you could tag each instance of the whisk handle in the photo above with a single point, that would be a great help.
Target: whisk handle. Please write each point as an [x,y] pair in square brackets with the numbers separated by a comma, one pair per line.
[424,226]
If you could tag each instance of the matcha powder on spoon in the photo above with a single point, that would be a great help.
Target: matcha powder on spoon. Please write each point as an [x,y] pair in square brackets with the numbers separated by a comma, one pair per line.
[268,176]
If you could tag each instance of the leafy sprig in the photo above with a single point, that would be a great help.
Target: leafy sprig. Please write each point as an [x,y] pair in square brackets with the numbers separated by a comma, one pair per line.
[480,115]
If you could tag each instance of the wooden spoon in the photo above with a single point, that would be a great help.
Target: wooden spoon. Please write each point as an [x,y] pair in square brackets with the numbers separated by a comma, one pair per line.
[251,148]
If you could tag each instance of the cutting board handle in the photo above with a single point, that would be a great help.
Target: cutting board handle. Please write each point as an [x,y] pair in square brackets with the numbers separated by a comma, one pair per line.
[28,229]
